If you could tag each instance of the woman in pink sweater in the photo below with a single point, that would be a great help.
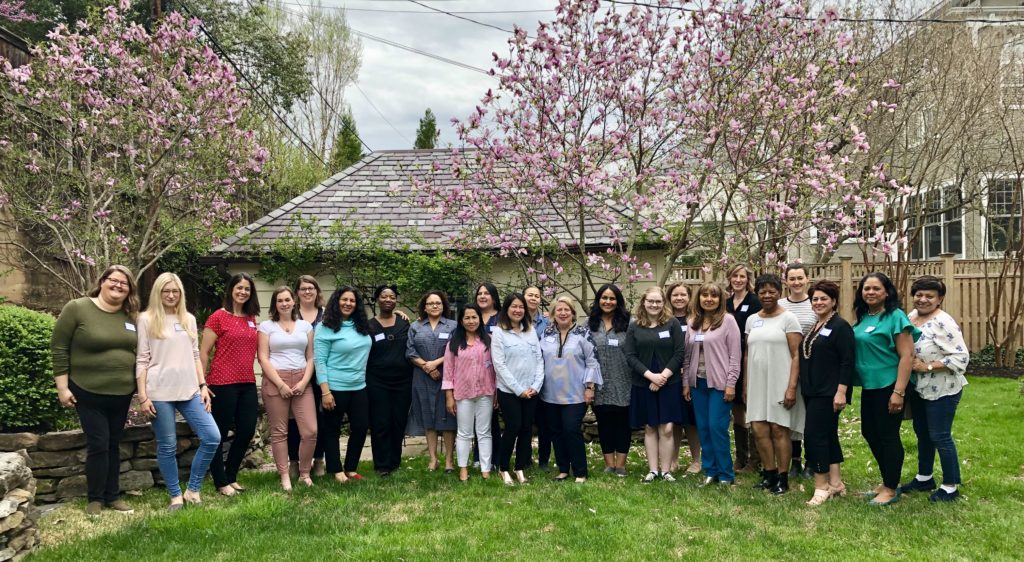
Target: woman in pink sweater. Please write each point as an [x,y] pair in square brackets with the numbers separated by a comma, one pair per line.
[710,369]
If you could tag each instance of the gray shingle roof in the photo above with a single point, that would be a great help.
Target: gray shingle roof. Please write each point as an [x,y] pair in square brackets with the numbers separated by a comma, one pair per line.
[376,190]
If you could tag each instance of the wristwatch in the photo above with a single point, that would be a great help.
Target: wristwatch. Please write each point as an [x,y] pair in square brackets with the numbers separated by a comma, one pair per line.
[930,368]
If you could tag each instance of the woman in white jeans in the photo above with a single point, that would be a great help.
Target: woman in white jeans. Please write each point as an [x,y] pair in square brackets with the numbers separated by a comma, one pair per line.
[469,387]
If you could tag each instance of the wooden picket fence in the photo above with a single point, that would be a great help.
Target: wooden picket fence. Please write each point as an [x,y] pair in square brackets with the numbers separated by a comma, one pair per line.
[968,289]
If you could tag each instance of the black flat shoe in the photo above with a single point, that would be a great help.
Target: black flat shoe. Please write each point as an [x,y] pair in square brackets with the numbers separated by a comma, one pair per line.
[943,496]
[916,485]
[449,471]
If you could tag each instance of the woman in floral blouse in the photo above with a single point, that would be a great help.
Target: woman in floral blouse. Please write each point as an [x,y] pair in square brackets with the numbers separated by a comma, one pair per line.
[940,360]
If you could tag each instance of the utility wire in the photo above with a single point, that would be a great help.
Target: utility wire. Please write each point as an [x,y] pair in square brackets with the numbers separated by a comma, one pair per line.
[374,106]
[457,16]
[316,89]
[386,11]
[252,85]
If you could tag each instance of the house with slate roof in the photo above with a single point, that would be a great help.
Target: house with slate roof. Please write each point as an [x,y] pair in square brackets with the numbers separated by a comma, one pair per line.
[376,190]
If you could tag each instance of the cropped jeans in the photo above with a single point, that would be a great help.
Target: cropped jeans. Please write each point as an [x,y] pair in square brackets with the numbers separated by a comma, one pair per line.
[933,424]
[202,425]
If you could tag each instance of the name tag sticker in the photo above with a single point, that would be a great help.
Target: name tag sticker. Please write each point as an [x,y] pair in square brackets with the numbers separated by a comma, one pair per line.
[744,308]
[684,326]
[869,329]
[664,335]
[698,337]
[252,324]
[550,339]
[758,323]
[378,337]
[443,336]
[129,326]
[825,332]
[178,328]
[490,329]
[613,343]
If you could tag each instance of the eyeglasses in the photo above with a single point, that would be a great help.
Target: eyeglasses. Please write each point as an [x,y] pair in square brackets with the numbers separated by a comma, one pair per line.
[117,282]
[307,290]
[170,292]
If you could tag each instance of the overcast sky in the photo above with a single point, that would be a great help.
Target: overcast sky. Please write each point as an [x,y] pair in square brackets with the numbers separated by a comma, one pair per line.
[402,85]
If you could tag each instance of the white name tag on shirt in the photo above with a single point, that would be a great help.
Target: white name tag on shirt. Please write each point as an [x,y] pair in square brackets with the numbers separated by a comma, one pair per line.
[252,324]
[178,328]
[744,308]
[698,337]
[443,336]
[550,339]
[869,329]
[684,326]
[378,337]
[613,343]
[129,326]
[758,323]
[490,329]
[825,332]
[663,335]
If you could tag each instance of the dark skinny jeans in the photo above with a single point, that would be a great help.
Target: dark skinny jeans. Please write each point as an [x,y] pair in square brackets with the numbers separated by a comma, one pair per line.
[356,404]
[882,432]
[566,424]
[102,417]
[518,434]
[233,405]
[933,424]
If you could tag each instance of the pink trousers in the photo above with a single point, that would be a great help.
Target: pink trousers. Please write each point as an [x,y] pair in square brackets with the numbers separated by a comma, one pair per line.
[302,408]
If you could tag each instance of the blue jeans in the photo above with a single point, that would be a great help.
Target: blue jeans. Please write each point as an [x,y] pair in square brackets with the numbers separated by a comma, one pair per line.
[933,424]
[713,427]
[202,425]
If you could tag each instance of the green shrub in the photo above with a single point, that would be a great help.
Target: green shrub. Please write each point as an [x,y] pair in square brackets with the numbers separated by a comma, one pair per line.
[28,397]
[986,357]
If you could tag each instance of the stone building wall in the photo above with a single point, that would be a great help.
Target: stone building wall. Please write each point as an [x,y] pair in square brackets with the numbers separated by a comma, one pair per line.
[18,513]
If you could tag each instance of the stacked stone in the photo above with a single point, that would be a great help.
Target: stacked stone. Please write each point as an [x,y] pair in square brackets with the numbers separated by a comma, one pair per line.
[18,513]
[590,433]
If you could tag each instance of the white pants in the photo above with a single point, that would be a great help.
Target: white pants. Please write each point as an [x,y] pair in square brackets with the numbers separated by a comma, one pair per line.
[470,413]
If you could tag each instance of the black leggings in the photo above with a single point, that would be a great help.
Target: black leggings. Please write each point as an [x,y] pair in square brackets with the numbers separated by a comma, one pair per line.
[102,417]
[566,424]
[293,429]
[233,405]
[356,404]
[821,434]
[882,432]
[389,412]
[613,428]
[518,415]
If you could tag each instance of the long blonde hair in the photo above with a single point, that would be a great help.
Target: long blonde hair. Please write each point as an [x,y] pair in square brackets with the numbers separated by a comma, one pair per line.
[644,319]
[155,311]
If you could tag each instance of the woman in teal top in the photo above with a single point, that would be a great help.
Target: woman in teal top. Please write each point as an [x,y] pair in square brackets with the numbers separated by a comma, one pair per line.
[341,347]
[884,356]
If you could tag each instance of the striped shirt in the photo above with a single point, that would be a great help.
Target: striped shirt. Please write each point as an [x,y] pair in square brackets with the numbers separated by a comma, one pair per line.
[470,373]
[803,312]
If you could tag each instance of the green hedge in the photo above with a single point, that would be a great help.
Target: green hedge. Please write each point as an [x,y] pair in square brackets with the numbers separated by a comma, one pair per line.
[28,397]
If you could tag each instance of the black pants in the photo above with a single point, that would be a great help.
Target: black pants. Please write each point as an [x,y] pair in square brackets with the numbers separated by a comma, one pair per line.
[356,404]
[543,435]
[797,449]
[518,414]
[234,405]
[389,412]
[613,428]
[293,429]
[566,425]
[102,417]
[882,432]
[821,434]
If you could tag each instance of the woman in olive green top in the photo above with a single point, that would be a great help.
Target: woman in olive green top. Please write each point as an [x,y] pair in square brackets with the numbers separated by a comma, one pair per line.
[93,350]
[884,356]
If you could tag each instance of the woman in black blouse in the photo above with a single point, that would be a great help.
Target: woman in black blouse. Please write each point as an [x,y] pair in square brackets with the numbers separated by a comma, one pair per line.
[826,376]
[742,303]
[388,381]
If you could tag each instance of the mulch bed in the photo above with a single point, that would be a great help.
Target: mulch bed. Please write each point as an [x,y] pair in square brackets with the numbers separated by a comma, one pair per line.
[999,372]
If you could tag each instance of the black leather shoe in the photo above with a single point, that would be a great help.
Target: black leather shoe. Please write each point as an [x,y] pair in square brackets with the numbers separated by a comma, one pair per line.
[781,485]
[941,495]
[916,485]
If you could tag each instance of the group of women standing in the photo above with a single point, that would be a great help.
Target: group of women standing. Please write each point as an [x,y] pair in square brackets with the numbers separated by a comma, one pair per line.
[679,362]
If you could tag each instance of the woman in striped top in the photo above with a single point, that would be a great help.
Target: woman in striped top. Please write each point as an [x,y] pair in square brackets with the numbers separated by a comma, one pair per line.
[469,387]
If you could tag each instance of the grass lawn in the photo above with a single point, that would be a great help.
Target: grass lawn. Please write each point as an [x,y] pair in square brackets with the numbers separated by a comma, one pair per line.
[416,515]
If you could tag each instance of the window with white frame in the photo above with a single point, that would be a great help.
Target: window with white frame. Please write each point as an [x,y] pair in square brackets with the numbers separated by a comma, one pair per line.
[935,223]
[1003,216]
[1012,70]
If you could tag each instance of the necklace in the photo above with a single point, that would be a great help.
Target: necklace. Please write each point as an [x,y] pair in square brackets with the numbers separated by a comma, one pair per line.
[808,343]
[876,313]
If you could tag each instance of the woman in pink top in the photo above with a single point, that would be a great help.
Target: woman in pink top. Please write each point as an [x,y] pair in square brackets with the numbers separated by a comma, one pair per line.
[469,387]
[711,367]
[171,379]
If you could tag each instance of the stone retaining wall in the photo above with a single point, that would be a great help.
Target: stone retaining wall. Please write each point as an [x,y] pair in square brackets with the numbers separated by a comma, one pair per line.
[18,513]
[57,460]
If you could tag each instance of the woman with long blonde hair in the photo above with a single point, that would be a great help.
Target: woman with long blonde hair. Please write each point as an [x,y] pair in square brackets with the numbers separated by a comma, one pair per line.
[654,351]
[170,378]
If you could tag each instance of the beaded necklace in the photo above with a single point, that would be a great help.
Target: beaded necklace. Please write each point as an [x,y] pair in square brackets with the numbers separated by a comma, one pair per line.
[808,343]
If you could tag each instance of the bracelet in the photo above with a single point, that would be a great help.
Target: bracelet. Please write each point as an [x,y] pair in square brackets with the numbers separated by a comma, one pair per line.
[203,385]
[900,393]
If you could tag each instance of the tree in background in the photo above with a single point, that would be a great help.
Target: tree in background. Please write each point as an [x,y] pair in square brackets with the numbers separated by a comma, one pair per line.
[14,11]
[427,133]
[347,148]
[117,144]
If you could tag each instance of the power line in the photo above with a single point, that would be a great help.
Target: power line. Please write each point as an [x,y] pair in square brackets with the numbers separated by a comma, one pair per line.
[382,10]
[252,85]
[379,112]
[464,18]
[841,18]
[316,89]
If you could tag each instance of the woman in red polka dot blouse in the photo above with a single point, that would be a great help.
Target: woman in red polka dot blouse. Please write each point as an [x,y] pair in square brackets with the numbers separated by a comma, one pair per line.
[232,330]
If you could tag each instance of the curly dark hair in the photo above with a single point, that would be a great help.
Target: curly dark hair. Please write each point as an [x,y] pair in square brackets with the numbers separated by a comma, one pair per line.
[892,296]
[332,311]
[445,306]
[620,316]
[768,279]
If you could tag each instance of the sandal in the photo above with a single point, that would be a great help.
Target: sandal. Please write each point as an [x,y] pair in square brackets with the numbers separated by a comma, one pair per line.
[839,490]
[820,497]
[340,477]
[651,477]
[521,477]
[506,478]
[227,490]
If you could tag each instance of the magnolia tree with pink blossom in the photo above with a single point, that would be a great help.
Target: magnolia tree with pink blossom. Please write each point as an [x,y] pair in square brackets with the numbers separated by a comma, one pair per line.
[720,128]
[14,10]
[117,144]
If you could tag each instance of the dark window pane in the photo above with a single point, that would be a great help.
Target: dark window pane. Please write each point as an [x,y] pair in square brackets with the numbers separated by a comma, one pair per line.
[954,237]
[933,240]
